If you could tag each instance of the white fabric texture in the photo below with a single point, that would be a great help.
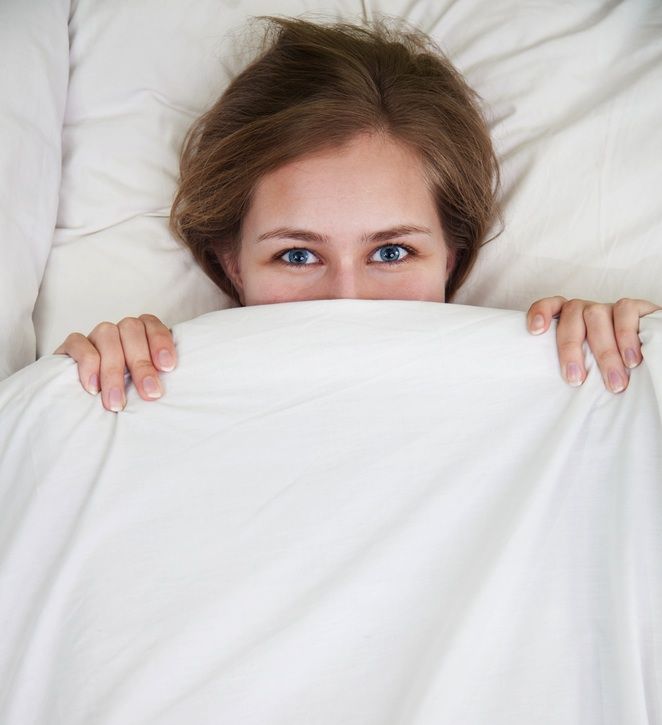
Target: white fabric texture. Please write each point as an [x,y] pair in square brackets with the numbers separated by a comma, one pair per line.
[356,512]
[34,68]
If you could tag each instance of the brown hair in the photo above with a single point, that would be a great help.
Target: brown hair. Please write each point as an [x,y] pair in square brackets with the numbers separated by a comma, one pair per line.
[316,86]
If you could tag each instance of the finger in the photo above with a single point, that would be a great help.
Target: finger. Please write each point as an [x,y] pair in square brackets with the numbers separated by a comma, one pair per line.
[541,312]
[626,328]
[136,353]
[79,348]
[106,338]
[602,341]
[161,344]
[570,336]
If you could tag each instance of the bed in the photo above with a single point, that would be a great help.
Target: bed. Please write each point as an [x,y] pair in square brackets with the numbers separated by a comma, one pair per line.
[341,511]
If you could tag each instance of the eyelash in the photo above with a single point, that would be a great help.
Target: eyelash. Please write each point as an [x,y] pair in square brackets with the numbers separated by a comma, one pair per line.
[410,254]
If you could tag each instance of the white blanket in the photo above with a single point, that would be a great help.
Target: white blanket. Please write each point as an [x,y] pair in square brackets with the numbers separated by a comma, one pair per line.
[341,513]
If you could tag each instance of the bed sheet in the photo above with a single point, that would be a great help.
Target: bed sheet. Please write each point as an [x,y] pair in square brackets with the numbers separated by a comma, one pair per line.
[342,511]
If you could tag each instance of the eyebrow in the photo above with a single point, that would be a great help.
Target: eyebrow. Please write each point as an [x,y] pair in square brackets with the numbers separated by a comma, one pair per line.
[383,235]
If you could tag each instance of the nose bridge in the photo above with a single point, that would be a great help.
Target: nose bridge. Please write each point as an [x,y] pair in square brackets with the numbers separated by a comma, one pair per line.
[346,281]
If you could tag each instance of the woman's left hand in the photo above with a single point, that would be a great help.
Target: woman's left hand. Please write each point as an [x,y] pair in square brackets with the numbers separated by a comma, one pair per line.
[610,329]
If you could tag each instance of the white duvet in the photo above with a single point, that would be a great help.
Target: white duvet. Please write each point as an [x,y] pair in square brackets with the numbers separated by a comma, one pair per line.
[341,512]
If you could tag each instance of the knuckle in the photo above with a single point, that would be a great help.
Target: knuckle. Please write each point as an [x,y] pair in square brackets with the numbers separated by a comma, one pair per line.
[148,317]
[130,323]
[113,371]
[81,349]
[567,348]
[74,337]
[103,329]
[71,344]
[594,311]
[607,357]
[141,366]
[574,305]
[626,307]
[556,302]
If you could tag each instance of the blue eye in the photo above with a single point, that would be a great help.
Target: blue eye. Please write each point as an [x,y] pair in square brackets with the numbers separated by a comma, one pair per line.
[296,257]
[391,254]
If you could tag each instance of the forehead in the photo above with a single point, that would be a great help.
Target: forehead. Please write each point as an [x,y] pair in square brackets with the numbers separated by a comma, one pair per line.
[372,174]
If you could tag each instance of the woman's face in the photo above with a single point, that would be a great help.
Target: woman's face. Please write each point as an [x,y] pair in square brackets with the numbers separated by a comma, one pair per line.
[355,222]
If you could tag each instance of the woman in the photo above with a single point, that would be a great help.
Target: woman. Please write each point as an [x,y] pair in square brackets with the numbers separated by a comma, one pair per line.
[344,162]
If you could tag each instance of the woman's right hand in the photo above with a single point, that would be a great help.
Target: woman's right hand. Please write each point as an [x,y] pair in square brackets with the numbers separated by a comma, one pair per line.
[142,344]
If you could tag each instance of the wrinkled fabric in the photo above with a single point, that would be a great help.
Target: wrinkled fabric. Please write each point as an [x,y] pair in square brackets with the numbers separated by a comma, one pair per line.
[343,511]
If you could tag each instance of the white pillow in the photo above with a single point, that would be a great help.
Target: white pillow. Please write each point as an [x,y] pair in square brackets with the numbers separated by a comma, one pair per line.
[34,67]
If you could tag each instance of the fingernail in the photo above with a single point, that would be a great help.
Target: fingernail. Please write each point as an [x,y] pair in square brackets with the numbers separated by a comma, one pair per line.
[116,400]
[93,384]
[152,388]
[630,358]
[538,324]
[166,362]
[615,381]
[573,374]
